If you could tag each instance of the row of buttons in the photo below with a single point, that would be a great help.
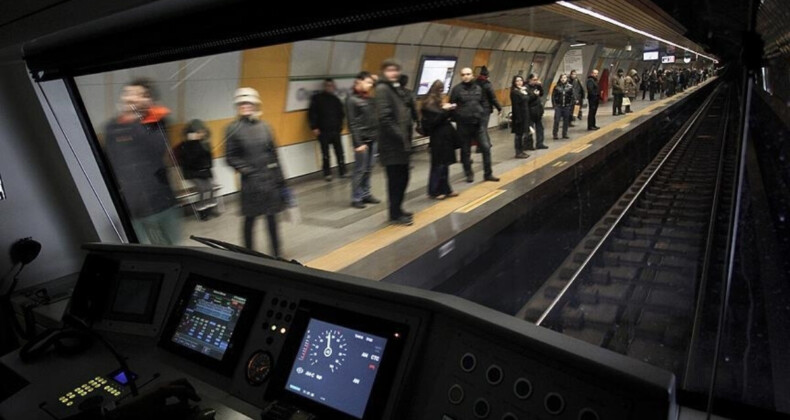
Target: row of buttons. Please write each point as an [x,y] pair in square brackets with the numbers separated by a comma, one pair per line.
[553,402]
[84,389]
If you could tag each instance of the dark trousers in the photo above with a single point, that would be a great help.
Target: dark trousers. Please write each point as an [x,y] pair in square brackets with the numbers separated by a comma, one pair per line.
[397,180]
[652,92]
[518,142]
[271,221]
[539,132]
[593,104]
[617,105]
[644,93]
[205,190]
[468,132]
[332,139]
[562,113]
[439,180]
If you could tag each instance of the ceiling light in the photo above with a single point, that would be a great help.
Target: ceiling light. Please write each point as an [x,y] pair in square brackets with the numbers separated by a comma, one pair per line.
[580,44]
[628,27]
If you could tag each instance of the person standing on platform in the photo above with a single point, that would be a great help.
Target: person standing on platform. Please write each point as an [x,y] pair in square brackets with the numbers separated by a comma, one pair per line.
[563,99]
[618,91]
[436,124]
[326,120]
[520,123]
[469,115]
[535,91]
[408,97]
[578,94]
[489,102]
[593,97]
[251,150]
[137,147]
[630,88]
[394,120]
[194,157]
[363,126]
[643,85]
[652,83]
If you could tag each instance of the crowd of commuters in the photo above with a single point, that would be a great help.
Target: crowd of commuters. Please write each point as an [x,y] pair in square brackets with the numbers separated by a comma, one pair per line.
[381,113]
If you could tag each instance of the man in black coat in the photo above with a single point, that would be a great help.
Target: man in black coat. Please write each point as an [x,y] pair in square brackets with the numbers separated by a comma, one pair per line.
[535,93]
[593,98]
[489,101]
[469,114]
[578,94]
[394,118]
[326,120]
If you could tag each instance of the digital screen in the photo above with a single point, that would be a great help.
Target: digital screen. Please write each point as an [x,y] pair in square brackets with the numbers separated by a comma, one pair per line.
[336,366]
[650,56]
[668,59]
[208,321]
[433,69]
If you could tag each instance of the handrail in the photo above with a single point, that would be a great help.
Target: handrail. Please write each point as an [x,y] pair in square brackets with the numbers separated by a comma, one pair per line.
[600,243]
[706,262]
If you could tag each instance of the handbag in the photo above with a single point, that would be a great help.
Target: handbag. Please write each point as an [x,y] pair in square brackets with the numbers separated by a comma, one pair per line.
[576,109]
[626,101]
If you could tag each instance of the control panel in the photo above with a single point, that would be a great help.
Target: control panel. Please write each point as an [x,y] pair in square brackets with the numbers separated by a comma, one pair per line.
[289,342]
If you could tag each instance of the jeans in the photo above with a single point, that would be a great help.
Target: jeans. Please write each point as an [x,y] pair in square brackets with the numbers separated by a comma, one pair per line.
[163,228]
[518,142]
[205,189]
[360,181]
[467,132]
[326,139]
[617,105]
[593,104]
[562,113]
[271,221]
[538,131]
[439,180]
[397,180]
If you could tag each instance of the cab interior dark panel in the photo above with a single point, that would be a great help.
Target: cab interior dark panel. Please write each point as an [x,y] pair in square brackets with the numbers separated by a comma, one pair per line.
[176,29]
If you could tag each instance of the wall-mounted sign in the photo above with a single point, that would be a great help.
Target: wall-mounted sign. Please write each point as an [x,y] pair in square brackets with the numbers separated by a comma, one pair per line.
[650,56]
[301,90]
[668,59]
[651,45]
[573,61]
[2,189]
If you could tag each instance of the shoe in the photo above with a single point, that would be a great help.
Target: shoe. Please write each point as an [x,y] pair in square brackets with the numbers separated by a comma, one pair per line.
[371,200]
[357,205]
[470,178]
[402,221]
[328,178]
[491,178]
[529,148]
[571,125]
[555,138]
[452,194]
[565,137]
[593,128]
[408,214]
[542,146]
[521,155]
[440,197]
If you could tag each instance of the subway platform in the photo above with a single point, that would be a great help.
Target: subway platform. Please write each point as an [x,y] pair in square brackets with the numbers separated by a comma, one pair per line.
[327,233]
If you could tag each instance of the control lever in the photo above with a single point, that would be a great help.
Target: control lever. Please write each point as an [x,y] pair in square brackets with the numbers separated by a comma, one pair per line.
[157,404]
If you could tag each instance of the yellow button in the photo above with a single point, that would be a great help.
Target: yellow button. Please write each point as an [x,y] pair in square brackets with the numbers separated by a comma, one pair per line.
[69,404]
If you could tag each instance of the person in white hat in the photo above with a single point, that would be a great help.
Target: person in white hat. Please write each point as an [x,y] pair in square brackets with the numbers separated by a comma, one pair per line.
[252,151]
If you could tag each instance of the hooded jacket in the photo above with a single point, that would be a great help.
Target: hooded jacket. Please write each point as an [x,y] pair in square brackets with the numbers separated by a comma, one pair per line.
[489,96]
[631,84]
[618,84]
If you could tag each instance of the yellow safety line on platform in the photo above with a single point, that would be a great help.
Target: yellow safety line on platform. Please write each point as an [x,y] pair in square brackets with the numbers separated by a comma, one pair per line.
[480,201]
[355,251]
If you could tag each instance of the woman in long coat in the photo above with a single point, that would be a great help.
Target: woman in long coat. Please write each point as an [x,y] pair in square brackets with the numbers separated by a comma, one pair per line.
[436,122]
[520,121]
[251,150]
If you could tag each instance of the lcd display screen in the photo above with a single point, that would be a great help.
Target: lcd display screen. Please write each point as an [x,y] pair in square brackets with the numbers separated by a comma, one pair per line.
[433,69]
[336,366]
[208,321]
[650,56]
[667,59]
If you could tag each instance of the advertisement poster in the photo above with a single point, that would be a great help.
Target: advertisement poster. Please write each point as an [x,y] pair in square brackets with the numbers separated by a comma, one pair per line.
[301,90]
[573,61]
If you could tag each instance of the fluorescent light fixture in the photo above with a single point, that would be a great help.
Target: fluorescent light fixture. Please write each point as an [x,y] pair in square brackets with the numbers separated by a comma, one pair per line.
[628,27]
[580,44]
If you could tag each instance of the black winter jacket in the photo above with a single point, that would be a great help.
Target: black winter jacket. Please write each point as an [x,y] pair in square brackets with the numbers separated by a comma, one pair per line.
[194,158]
[394,123]
[593,90]
[326,113]
[469,98]
[535,103]
[578,89]
[563,97]
[520,120]
[362,121]
[489,96]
